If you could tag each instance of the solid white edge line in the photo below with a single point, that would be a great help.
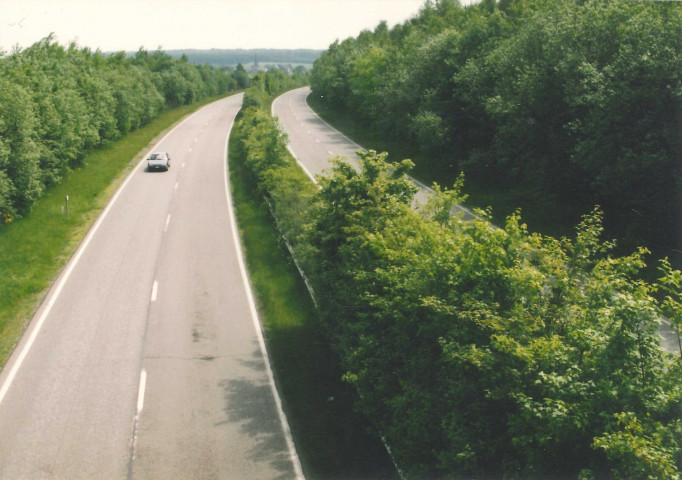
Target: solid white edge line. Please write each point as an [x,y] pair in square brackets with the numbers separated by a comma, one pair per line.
[54,294]
[298,469]
[291,151]
[300,164]
[141,390]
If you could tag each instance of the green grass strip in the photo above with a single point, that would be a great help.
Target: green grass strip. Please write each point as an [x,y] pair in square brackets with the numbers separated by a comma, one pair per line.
[34,249]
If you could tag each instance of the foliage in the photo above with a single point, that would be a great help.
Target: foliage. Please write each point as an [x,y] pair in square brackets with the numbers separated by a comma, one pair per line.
[262,144]
[331,438]
[59,103]
[480,352]
[581,99]
[489,352]
[670,285]
[636,455]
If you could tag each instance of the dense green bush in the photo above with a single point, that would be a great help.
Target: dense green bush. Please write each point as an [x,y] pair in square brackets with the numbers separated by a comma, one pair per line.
[491,353]
[253,97]
[579,99]
[263,145]
[58,103]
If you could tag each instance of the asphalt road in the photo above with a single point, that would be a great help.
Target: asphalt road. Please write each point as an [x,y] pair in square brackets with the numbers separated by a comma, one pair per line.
[146,359]
[313,142]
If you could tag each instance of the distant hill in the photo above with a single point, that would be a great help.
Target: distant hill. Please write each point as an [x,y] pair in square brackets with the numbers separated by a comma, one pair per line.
[233,57]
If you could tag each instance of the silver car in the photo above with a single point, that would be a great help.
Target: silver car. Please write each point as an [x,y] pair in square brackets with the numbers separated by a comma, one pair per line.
[158,161]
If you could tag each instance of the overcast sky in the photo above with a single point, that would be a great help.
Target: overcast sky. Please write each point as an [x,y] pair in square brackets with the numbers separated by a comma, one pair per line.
[114,25]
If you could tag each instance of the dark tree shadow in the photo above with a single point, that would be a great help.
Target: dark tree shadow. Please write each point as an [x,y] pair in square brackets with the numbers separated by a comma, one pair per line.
[251,404]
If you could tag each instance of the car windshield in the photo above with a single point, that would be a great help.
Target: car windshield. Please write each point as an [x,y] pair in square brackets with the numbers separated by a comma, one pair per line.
[156,156]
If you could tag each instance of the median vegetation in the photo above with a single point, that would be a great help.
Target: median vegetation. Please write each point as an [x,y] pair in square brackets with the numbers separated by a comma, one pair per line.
[478,351]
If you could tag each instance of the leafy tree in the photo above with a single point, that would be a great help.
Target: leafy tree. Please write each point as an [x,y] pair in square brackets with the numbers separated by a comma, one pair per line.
[241,76]
[579,100]
[487,352]
[480,352]
[635,454]
[264,144]
[19,161]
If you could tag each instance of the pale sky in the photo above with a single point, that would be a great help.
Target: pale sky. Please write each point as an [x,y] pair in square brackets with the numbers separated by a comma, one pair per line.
[114,25]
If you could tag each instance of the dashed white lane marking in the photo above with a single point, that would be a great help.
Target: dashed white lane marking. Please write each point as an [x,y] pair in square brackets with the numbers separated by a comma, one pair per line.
[176,185]
[141,390]
[155,290]
[183,165]
[165,229]
[136,420]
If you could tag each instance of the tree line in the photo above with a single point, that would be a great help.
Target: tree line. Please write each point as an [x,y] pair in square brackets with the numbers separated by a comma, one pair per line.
[233,57]
[57,103]
[579,99]
[479,352]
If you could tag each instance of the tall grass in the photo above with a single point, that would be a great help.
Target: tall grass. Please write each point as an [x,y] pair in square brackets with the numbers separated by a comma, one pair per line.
[34,249]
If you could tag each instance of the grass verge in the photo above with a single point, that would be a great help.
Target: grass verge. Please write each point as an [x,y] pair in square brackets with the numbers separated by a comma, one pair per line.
[330,437]
[34,249]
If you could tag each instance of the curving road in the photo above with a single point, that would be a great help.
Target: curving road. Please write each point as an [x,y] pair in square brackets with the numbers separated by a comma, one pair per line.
[146,358]
[312,142]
